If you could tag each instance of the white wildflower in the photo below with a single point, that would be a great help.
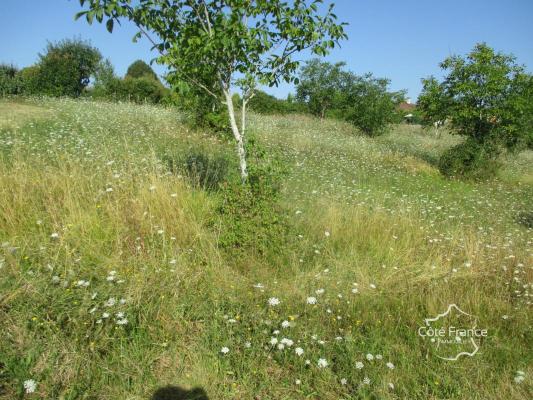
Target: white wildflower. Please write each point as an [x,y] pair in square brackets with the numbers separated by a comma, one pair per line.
[273,301]
[30,385]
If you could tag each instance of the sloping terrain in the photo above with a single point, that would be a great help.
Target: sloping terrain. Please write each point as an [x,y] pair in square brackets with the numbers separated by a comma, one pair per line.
[116,281]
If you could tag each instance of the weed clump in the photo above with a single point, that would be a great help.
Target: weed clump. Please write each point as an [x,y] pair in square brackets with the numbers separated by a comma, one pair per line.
[203,170]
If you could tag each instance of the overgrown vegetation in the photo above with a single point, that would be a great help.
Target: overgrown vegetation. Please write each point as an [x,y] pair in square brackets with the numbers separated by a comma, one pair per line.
[365,101]
[114,262]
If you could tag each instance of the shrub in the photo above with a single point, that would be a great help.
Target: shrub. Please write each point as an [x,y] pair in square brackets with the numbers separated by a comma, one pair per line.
[264,103]
[322,85]
[29,78]
[252,218]
[525,218]
[470,160]
[10,80]
[138,90]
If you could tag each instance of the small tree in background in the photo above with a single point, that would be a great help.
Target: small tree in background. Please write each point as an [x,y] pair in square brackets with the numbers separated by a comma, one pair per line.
[320,84]
[66,67]
[370,106]
[432,104]
[225,39]
[139,69]
[486,97]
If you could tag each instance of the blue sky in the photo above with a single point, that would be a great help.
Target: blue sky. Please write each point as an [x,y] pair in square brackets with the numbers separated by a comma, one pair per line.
[401,40]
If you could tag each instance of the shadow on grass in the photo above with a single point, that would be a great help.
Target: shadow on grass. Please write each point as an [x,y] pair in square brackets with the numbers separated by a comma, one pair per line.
[177,393]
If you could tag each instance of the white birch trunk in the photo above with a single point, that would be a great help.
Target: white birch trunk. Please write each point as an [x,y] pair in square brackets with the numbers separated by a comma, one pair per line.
[238,137]
[243,122]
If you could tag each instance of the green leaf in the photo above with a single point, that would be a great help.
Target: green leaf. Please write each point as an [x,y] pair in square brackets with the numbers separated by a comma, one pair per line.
[109,25]
[80,14]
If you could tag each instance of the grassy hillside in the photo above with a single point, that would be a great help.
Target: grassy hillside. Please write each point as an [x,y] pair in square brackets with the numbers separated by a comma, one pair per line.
[116,281]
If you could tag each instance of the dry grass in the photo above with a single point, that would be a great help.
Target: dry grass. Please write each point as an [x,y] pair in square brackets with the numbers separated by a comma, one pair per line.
[371,224]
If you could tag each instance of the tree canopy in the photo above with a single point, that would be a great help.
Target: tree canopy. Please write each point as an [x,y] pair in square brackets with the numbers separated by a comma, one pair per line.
[320,85]
[139,69]
[486,96]
[66,67]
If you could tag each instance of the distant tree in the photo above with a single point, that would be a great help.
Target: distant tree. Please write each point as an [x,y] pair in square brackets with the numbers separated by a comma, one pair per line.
[487,98]
[225,38]
[369,105]
[104,73]
[66,67]
[139,69]
[320,84]
[432,104]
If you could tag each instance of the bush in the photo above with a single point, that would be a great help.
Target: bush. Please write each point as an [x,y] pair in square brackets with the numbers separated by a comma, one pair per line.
[470,160]
[264,103]
[486,97]
[525,218]
[29,77]
[10,80]
[252,218]
[138,90]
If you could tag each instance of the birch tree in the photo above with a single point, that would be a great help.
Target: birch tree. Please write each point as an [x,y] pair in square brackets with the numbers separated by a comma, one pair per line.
[227,39]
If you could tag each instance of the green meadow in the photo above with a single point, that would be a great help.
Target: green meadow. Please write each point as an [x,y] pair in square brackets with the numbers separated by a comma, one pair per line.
[121,273]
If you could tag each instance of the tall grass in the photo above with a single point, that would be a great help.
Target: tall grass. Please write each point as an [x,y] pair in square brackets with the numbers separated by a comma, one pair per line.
[114,282]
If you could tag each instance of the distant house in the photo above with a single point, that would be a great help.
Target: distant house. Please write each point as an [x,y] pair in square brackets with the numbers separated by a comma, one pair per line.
[406,106]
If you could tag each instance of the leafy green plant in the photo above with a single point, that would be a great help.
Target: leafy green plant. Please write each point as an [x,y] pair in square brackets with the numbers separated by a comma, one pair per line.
[470,159]
[486,97]
[10,80]
[252,218]
[138,90]
[525,218]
